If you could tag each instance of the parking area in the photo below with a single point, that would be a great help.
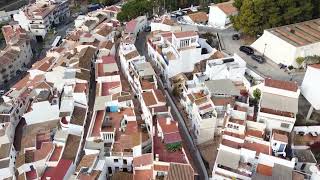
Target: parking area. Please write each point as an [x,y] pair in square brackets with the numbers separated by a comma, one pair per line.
[267,69]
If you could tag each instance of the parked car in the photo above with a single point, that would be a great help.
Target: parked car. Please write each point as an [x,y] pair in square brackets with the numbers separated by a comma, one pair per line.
[246,49]
[258,58]
[236,37]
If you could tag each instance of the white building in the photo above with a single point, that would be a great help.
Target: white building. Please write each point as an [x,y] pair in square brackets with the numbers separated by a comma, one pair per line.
[232,68]
[4,16]
[16,55]
[219,14]
[136,25]
[177,52]
[164,23]
[39,17]
[202,112]
[310,87]
[286,43]
[278,104]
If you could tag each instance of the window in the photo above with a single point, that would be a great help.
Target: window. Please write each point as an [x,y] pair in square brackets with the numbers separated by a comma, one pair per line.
[109,170]
[115,160]
[184,43]
[285,125]
[124,161]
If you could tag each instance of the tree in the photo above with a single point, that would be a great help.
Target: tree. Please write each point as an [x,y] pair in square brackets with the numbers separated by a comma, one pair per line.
[174,146]
[299,60]
[255,16]
[135,8]
[257,94]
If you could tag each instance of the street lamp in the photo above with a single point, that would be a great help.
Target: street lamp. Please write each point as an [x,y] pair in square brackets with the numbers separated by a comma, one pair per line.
[264,50]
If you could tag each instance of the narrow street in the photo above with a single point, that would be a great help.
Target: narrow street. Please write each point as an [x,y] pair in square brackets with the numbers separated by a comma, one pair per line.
[92,97]
[189,146]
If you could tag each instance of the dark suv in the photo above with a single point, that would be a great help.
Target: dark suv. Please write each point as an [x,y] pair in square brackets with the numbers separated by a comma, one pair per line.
[246,49]
[259,59]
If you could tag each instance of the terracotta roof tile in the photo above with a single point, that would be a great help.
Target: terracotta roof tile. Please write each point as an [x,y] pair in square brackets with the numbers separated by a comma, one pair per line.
[317,66]
[255,133]
[149,98]
[143,160]
[227,7]
[180,172]
[199,17]
[168,128]
[185,34]
[86,162]
[158,167]
[264,170]
[259,148]
[280,137]
[143,174]
[131,55]
[285,85]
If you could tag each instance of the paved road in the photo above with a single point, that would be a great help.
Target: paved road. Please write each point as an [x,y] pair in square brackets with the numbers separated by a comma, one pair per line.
[192,149]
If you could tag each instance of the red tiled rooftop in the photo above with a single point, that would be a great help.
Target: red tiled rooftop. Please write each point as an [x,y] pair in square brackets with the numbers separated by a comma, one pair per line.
[107,86]
[237,121]
[44,151]
[239,108]
[259,148]
[275,112]
[102,72]
[241,136]
[279,84]
[147,85]
[184,34]
[97,124]
[56,153]
[113,8]
[149,98]
[143,160]
[31,175]
[264,170]
[165,155]
[131,26]
[80,87]
[227,7]
[59,171]
[143,174]
[158,167]
[167,128]
[172,138]
[317,66]
[115,117]
[108,59]
[222,101]
[205,107]
[232,144]
[255,133]
[280,137]
[159,95]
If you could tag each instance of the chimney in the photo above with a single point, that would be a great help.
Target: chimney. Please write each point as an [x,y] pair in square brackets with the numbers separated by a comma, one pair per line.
[168,120]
